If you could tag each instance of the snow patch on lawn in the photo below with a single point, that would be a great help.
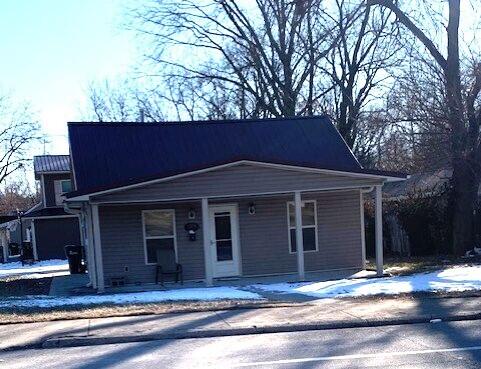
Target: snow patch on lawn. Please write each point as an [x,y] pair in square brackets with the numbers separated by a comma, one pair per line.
[47,268]
[449,280]
[41,275]
[195,294]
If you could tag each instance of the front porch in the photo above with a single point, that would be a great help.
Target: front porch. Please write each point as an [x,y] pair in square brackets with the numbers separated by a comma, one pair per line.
[256,221]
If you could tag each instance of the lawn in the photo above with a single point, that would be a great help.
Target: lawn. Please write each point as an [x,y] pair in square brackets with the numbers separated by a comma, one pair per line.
[24,299]
[17,286]
[28,315]
[455,279]
[419,264]
[24,280]
[45,268]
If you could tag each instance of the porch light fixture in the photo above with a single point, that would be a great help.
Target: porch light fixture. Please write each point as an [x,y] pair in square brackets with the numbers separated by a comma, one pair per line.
[252,208]
[191,213]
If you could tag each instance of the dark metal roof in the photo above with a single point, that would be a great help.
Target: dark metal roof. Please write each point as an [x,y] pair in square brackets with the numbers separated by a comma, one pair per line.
[7,218]
[419,183]
[110,155]
[46,212]
[425,183]
[51,163]
[33,208]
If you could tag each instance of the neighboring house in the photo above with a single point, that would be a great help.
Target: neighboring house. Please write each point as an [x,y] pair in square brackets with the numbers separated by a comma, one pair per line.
[140,188]
[414,234]
[424,184]
[9,233]
[50,227]
[419,184]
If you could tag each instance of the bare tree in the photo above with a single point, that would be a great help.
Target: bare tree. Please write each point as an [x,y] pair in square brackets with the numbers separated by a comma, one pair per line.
[462,111]
[113,102]
[266,53]
[358,66]
[17,195]
[18,131]
[272,58]
[416,106]
[124,102]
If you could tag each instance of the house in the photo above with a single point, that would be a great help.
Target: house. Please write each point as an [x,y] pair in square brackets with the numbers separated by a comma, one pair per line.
[429,183]
[49,226]
[9,233]
[418,214]
[229,198]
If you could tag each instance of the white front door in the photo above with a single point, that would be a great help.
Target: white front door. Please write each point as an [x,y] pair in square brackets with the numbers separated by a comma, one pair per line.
[224,230]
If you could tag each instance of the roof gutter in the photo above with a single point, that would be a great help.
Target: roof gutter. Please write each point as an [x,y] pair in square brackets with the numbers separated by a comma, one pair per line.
[367,190]
[75,207]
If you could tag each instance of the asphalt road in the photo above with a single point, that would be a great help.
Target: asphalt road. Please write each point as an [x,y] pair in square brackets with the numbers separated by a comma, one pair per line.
[440,345]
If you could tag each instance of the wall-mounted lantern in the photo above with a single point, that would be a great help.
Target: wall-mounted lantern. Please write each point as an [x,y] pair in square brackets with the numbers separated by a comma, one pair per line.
[191,229]
[191,213]
[252,208]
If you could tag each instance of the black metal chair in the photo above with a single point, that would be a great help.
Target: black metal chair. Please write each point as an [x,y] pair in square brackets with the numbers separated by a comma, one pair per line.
[166,265]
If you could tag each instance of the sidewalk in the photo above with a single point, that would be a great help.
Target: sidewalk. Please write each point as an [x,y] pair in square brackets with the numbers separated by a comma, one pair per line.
[321,314]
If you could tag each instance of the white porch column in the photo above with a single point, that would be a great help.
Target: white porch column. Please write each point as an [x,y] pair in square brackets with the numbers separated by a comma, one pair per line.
[99,266]
[378,226]
[207,243]
[363,229]
[299,239]
[34,240]
[3,236]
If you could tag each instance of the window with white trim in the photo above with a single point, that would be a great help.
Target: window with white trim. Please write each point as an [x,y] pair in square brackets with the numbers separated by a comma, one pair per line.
[62,187]
[309,225]
[159,232]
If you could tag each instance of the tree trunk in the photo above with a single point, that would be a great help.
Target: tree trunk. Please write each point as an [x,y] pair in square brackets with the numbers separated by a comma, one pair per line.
[345,120]
[463,180]
[465,189]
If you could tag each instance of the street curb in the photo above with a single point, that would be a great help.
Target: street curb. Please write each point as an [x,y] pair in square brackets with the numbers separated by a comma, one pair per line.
[59,342]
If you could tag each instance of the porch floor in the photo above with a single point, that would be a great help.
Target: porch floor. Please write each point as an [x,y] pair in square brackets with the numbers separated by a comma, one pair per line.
[248,281]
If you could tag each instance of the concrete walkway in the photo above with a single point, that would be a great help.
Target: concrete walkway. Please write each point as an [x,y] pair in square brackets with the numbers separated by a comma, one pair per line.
[68,285]
[322,314]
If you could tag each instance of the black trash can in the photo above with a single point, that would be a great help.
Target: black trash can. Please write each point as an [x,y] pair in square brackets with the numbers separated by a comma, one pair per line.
[26,253]
[75,259]
[13,249]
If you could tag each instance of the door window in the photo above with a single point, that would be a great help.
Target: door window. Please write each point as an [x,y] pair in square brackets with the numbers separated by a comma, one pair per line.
[223,236]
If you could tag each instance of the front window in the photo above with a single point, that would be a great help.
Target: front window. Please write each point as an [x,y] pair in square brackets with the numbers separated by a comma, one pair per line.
[309,226]
[66,186]
[159,233]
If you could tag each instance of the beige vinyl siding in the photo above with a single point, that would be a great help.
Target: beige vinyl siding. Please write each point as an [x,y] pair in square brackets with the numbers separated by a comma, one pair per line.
[123,245]
[234,181]
[263,237]
[265,242]
[339,232]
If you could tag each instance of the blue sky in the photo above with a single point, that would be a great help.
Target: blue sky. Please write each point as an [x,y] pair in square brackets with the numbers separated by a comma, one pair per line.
[52,49]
